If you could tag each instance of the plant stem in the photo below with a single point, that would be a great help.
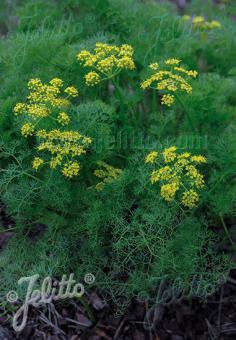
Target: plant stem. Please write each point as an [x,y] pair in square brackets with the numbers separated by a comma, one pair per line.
[123,117]
[6,230]
[219,180]
[226,230]
[87,309]
[186,112]
[31,176]
[154,100]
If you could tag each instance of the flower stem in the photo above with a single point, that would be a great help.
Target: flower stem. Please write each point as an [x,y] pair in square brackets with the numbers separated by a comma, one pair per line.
[87,309]
[186,111]
[31,176]
[2,230]
[122,106]
[226,230]
[154,100]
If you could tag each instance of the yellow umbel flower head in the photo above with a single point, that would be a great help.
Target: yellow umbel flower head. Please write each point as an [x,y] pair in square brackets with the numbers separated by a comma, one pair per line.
[186,17]
[167,99]
[201,24]
[151,157]
[63,118]
[107,173]
[169,154]
[46,104]
[71,169]
[56,82]
[106,61]
[170,79]
[71,91]
[64,147]
[190,198]
[44,99]
[215,24]
[92,78]
[37,162]
[177,175]
[27,129]
[20,108]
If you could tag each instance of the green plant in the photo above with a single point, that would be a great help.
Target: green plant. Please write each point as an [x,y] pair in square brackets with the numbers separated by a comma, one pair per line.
[126,234]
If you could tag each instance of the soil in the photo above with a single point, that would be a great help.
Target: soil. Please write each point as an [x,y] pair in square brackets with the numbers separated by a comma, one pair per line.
[213,319]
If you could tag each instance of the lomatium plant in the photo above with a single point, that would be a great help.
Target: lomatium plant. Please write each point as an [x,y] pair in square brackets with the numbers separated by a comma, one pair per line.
[132,224]
[178,175]
[48,105]
[107,174]
[170,80]
[106,61]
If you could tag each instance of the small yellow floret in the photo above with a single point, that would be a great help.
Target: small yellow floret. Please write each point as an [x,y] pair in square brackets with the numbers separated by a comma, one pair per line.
[27,130]
[126,63]
[151,157]
[56,82]
[71,91]
[108,174]
[37,162]
[169,190]
[71,169]
[199,159]
[167,99]
[154,66]
[198,20]
[169,154]
[92,78]
[63,118]
[34,84]
[186,17]
[190,198]
[173,78]
[20,108]
[215,24]
[172,61]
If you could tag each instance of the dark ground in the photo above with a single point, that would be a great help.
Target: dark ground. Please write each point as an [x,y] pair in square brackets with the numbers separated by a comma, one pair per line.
[215,319]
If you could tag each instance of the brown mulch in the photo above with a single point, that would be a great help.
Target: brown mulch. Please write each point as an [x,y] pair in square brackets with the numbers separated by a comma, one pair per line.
[215,319]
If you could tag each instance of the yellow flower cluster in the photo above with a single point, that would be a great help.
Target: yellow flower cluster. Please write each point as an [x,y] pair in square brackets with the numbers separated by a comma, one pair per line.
[178,173]
[71,169]
[44,99]
[27,129]
[190,198]
[71,91]
[200,23]
[61,147]
[151,157]
[107,173]
[106,61]
[63,118]
[167,99]
[92,78]
[37,162]
[169,80]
